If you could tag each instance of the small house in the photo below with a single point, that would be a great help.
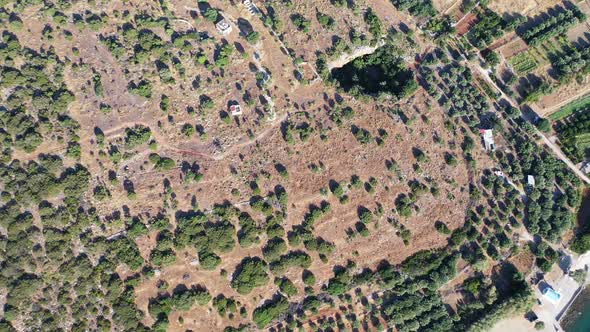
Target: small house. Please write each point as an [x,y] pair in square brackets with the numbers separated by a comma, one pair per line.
[551,295]
[251,7]
[530,180]
[488,139]
[223,27]
[235,109]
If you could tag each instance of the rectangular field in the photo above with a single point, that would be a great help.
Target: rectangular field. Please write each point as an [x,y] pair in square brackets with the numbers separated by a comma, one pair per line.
[523,63]
[523,7]
[513,48]
[575,106]
[583,140]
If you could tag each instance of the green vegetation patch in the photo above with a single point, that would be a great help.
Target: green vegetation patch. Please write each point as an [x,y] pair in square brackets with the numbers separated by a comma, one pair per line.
[382,72]
[575,106]
[250,273]
[137,135]
[553,25]
[270,311]
[489,27]
[572,62]
[583,140]
[422,8]
[574,135]
[181,299]
[523,63]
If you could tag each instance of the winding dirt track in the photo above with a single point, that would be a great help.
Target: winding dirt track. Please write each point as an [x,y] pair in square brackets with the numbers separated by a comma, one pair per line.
[554,148]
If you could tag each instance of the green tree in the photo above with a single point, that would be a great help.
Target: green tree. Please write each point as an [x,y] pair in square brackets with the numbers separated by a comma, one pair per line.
[544,125]
[249,274]
[253,37]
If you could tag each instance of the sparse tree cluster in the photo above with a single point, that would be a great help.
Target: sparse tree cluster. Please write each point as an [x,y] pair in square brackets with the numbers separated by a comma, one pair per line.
[553,26]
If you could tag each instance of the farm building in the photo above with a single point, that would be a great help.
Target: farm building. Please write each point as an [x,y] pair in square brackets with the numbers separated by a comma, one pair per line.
[530,180]
[235,109]
[223,27]
[488,139]
[251,7]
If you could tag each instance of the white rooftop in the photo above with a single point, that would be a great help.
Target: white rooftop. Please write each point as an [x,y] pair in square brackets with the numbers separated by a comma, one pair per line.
[223,26]
[530,180]
[487,134]
[488,139]
[235,110]
[499,173]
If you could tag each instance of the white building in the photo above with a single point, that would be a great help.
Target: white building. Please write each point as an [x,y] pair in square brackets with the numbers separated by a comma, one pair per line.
[235,110]
[488,139]
[251,7]
[530,180]
[223,27]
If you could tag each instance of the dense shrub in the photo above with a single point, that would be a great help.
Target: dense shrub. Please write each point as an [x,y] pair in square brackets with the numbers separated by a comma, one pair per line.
[249,274]
[286,286]
[143,88]
[382,72]
[291,259]
[553,26]
[573,61]
[136,136]
[416,7]
[269,311]
[489,27]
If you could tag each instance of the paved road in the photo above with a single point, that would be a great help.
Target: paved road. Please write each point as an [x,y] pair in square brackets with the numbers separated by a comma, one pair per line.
[556,150]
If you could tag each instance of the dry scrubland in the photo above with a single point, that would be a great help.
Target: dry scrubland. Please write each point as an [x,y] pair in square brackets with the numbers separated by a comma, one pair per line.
[358,198]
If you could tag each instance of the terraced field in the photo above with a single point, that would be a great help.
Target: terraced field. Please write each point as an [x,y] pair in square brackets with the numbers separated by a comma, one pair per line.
[577,105]
[523,63]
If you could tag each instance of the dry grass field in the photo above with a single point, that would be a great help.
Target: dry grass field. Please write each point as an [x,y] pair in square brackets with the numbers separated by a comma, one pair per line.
[380,174]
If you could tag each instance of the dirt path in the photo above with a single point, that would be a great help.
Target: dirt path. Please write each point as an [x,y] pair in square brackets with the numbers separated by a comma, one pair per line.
[47,147]
[550,110]
[466,14]
[164,144]
[563,157]
[247,142]
[446,12]
[554,148]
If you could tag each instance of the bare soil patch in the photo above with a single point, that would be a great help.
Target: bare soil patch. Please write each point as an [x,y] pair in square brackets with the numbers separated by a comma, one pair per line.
[511,48]
[522,7]
[466,24]
[561,96]
[442,6]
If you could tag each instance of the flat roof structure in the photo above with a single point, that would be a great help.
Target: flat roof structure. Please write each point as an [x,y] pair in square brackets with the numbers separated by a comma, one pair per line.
[530,180]
[250,6]
[488,139]
[223,27]
[235,110]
